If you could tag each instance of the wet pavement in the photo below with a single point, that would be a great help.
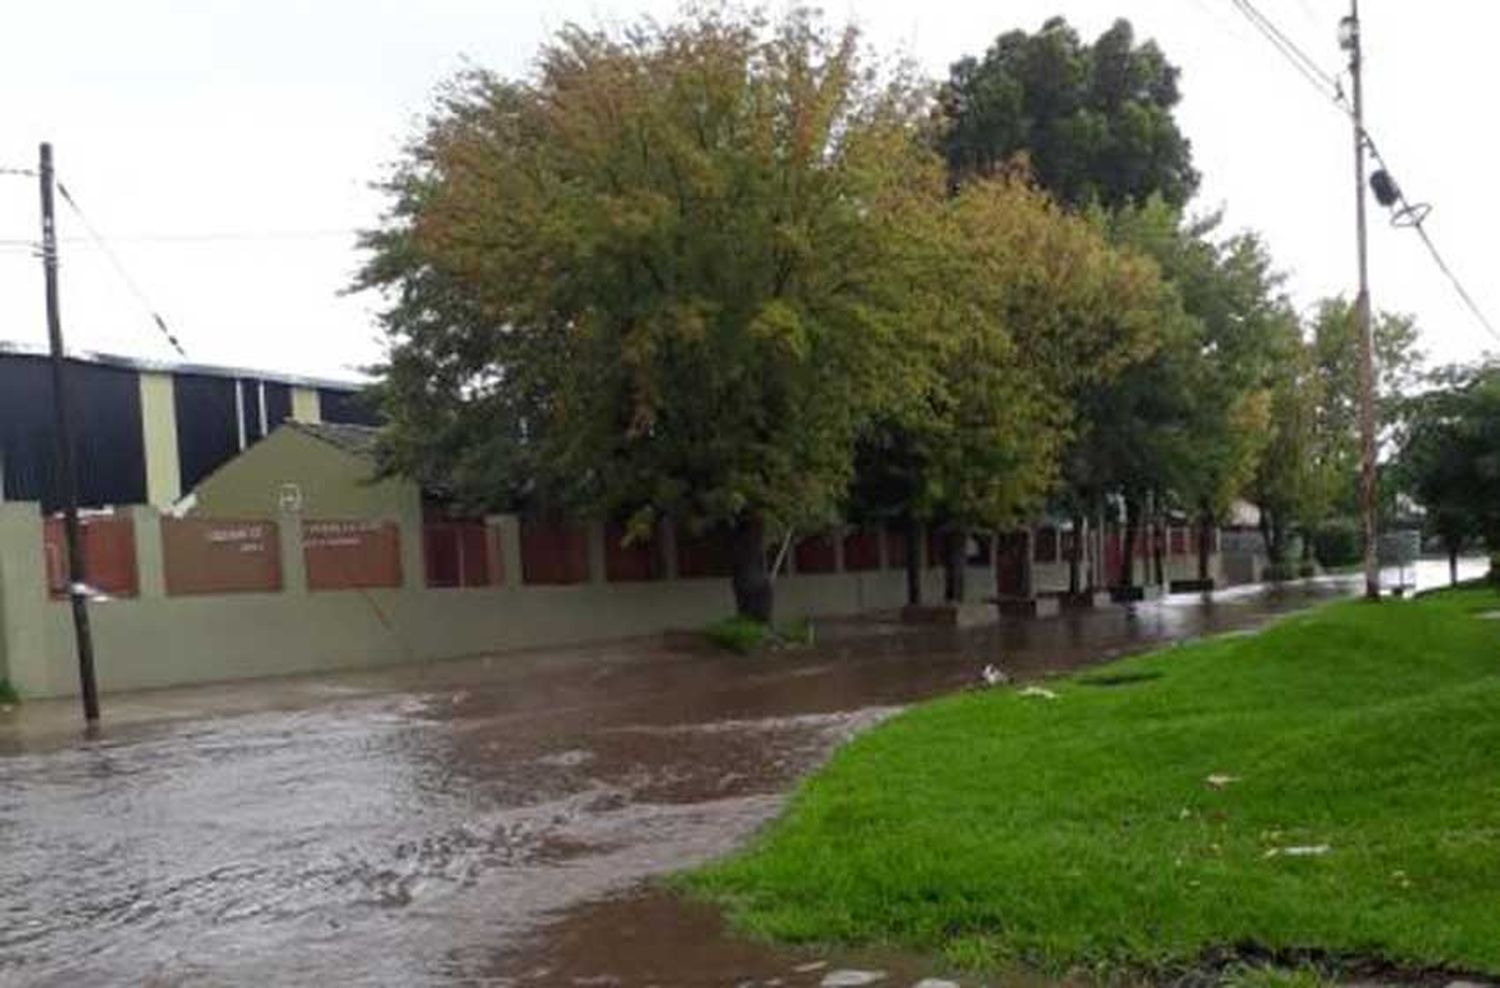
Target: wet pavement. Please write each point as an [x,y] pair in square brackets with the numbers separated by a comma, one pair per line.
[493,821]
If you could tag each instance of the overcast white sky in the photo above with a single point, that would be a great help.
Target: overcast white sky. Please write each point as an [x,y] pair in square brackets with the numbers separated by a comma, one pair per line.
[226,148]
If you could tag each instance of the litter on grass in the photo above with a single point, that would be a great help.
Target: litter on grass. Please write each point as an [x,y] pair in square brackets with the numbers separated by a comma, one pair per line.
[1311,851]
[994,676]
[1037,693]
[1219,780]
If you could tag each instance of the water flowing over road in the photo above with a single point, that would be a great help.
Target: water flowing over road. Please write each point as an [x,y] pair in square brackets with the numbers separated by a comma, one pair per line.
[489,821]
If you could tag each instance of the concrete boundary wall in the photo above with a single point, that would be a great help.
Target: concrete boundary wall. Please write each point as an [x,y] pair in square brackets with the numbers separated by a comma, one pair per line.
[156,640]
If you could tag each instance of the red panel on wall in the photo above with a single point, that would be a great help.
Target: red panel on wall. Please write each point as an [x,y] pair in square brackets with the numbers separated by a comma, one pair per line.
[895,548]
[862,550]
[1114,558]
[457,553]
[1046,545]
[347,555]
[816,554]
[1010,564]
[638,561]
[108,555]
[554,552]
[200,556]
[1179,541]
[934,548]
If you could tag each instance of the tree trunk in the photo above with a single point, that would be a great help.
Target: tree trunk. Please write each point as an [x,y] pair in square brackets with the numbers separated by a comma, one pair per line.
[1453,564]
[1127,554]
[913,561]
[954,563]
[1270,534]
[752,588]
[1158,546]
[1205,541]
[1075,558]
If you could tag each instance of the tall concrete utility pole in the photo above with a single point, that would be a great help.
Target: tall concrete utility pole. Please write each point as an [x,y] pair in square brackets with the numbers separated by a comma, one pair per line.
[66,473]
[1349,32]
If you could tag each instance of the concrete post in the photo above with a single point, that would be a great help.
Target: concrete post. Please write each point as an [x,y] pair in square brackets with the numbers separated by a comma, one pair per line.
[494,550]
[594,532]
[293,564]
[838,550]
[1028,567]
[23,599]
[150,568]
[666,535]
[413,551]
[508,528]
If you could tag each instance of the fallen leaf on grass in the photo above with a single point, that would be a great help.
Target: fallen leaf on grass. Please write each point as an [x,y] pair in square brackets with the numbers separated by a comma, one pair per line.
[1219,780]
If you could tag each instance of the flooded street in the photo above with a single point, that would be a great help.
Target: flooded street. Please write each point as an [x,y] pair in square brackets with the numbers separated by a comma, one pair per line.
[477,822]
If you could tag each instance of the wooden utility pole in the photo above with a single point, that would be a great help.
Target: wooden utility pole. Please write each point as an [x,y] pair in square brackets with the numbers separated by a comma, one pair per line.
[66,473]
[1367,439]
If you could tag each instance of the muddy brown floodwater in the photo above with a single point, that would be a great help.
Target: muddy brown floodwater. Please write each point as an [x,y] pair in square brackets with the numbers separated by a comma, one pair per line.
[476,822]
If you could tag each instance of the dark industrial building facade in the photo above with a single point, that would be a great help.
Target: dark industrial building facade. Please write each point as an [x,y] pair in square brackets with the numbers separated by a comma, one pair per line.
[147,432]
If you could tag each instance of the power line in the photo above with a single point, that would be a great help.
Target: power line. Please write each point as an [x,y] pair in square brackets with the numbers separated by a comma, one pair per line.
[20,172]
[1326,84]
[245,236]
[1408,214]
[114,261]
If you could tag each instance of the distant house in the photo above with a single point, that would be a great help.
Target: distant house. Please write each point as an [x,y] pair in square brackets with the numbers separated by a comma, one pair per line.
[146,432]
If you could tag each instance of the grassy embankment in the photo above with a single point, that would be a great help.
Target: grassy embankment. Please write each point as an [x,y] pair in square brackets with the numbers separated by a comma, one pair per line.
[1360,820]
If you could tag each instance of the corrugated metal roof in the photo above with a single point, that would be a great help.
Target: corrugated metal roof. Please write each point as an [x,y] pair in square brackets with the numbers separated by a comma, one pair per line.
[182,367]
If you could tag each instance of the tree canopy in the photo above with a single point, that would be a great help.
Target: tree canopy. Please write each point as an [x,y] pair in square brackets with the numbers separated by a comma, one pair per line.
[1094,121]
[683,269]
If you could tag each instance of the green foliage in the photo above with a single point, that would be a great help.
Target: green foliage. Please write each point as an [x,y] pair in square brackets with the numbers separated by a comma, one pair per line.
[745,635]
[738,634]
[1280,571]
[1335,459]
[8,695]
[1338,543]
[1085,833]
[1449,454]
[664,276]
[1094,121]
[1036,306]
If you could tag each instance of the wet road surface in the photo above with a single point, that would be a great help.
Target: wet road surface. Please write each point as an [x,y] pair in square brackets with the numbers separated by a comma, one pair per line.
[490,821]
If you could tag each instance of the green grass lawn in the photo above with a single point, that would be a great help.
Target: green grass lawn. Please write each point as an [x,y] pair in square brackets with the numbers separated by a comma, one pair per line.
[1083,833]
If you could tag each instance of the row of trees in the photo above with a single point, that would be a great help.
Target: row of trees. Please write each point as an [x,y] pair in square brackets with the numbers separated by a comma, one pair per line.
[1448,459]
[725,270]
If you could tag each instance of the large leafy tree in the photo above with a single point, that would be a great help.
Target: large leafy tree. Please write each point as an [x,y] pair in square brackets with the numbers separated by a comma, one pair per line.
[667,275]
[1448,457]
[1286,482]
[1094,120]
[1335,350]
[1034,306]
[1185,427]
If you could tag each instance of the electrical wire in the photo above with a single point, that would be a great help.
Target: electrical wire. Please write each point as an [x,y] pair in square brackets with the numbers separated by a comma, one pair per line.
[19,172]
[114,261]
[1299,59]
[1332,90]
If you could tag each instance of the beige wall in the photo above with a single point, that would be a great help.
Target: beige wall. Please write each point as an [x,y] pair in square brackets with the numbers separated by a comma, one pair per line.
[334,484]
[155,640]
[305,405]
[159,432]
